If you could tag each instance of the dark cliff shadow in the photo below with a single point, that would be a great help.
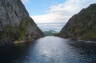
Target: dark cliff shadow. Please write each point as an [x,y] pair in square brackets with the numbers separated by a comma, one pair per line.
[11,54]
[86,50]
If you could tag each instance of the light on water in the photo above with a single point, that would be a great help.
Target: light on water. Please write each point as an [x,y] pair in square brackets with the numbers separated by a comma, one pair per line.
[52,49]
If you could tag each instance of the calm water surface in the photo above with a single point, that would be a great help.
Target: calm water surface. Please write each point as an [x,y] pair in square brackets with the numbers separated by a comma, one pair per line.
[53,49]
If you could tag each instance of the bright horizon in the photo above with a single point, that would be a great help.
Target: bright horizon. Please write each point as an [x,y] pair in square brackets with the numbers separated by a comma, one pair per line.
[54,11]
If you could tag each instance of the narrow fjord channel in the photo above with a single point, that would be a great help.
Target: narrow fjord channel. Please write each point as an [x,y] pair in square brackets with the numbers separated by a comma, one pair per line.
[53,49]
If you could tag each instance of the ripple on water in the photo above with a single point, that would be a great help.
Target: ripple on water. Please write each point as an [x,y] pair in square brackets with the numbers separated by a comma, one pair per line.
[53,49]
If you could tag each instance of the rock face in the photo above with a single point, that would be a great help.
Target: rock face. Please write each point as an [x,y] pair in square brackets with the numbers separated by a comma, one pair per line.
[15,23]
[82,25]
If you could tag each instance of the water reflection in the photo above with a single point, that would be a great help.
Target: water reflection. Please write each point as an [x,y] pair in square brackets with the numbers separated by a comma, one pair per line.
[53,50]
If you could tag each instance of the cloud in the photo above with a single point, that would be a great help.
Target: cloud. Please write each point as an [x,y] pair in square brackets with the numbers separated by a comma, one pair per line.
[49,18]
[63,11]
[25,1]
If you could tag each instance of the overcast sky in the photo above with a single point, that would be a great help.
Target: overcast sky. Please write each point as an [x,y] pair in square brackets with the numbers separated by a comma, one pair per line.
[54,11]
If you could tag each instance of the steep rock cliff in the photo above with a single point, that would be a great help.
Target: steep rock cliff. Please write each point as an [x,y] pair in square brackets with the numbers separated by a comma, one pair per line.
[82,25]
[15,23]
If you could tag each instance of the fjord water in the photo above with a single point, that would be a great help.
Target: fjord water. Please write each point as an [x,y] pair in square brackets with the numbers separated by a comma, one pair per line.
[52,49]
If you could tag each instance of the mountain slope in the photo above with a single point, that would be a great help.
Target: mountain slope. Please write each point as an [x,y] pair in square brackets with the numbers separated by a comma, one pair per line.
[15,23]
[82,25]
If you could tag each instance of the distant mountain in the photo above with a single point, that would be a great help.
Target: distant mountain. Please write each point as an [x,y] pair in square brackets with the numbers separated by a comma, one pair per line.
[50,26]
[50,33]
[15,23]
[82,25]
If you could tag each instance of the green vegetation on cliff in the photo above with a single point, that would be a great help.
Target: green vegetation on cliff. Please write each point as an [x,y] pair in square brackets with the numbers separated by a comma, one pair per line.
[50,33]
[82,25]
[22,28]
[18,34]
[15,23]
